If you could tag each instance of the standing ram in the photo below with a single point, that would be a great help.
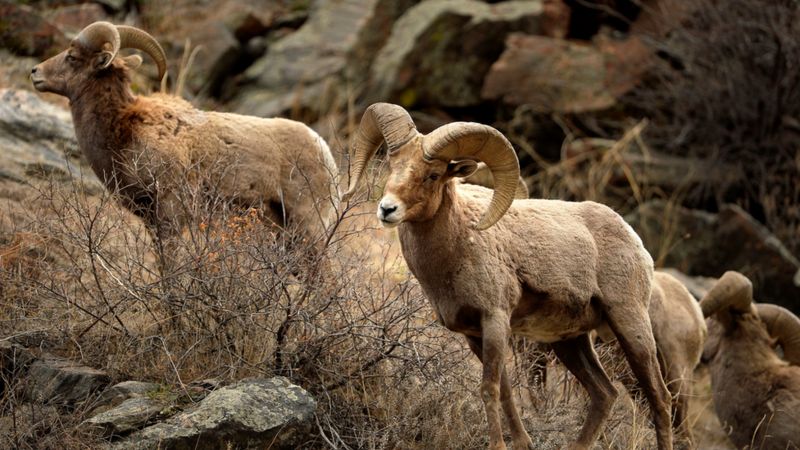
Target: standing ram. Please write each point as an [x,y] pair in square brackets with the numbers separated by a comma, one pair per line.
[149,148]
[756,392]
[491,266]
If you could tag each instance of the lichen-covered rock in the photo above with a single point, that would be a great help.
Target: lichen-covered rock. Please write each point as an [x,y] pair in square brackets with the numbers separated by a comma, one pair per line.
[706,244]
[307,68]
[125,390]
[132,414]
[440,51]
[253,413]
[57,381]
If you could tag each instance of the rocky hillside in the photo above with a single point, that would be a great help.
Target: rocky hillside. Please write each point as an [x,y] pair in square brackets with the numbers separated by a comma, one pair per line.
[655,107]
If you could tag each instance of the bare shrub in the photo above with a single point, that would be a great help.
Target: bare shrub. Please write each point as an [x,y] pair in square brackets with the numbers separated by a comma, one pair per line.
[242,298]
[728,88]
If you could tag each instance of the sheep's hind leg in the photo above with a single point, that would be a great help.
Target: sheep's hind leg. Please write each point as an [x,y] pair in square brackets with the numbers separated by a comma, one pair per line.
[519,436]
[631,325]
[579,357]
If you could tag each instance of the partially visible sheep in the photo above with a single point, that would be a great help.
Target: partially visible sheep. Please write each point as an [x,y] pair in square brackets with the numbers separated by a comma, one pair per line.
[492,266]
[149,148]
[680,332]
[756,392]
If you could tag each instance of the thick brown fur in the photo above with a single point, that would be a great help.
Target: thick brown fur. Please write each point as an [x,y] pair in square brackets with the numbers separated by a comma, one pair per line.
[756,393]
[549,270]
[149,148]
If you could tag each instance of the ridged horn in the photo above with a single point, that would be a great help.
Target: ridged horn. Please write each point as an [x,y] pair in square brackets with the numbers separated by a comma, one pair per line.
[131,37]
[97,34]
[483,177]
[467,140]
[784,326]
[380,122]
[733,290]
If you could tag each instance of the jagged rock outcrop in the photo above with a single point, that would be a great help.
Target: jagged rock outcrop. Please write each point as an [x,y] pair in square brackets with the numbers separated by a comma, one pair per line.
[37,139]
[132,414]
[309,69]
[440,51]
[57,381]
[554,75]
[253,413]
[113,396]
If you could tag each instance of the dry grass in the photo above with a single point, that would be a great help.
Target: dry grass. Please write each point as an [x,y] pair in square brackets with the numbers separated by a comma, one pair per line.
[239,299]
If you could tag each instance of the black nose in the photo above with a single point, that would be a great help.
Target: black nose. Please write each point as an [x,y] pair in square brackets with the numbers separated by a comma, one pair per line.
[35,68]
[387,211]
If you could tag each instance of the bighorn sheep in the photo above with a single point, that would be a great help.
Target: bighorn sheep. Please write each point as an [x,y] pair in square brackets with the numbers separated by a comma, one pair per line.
[680,332]
[756,393]
[149,147]
[546,269]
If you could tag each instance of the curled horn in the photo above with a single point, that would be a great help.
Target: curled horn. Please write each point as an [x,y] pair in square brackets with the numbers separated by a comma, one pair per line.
[733,290]
[131,37]
[96,35]
[466,140]
[483,177]
[784,326]
[381,122]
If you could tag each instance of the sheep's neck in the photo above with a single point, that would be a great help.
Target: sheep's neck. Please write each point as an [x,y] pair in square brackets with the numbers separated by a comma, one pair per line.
[433,242]
[96,113]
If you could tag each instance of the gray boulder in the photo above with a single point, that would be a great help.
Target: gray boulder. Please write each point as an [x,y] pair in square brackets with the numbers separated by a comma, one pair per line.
[307,69]
[699,243]
[37,139]
[132,414]
[57,381]
[440,51]
[254,413]
[125,390]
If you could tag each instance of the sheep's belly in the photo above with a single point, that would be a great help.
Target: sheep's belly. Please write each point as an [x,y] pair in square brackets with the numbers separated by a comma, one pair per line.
[546,335]
[549,320]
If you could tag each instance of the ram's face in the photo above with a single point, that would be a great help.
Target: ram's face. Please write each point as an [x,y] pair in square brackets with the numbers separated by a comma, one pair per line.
[414,189]
[64,73]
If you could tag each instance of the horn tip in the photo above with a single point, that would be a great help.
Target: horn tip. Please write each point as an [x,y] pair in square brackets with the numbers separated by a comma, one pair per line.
[483,224]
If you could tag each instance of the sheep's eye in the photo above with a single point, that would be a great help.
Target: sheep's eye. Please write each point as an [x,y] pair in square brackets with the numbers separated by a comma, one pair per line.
[71,59]
[433,176]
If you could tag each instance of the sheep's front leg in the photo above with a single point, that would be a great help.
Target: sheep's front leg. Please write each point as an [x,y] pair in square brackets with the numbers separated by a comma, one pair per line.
[518,434]
[495,330]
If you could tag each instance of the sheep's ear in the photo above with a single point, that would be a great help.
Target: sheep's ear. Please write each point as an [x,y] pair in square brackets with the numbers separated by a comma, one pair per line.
[132,62]
[462,168]
[103,60]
